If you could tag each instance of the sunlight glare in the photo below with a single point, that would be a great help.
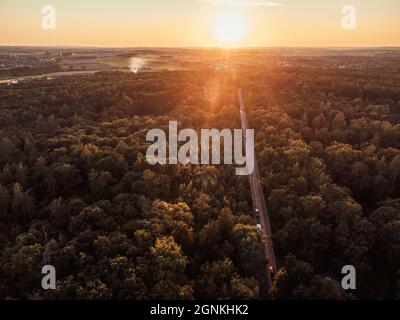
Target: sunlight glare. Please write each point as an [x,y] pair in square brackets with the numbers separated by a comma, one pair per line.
[229,28]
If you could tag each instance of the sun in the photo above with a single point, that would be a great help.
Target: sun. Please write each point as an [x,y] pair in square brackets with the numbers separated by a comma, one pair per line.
[229,28]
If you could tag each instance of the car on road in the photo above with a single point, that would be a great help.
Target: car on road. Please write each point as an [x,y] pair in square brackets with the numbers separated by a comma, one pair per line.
[257,217]
[271,271]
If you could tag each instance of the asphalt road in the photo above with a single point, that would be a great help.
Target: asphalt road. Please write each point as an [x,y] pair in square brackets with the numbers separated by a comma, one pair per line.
[259,204]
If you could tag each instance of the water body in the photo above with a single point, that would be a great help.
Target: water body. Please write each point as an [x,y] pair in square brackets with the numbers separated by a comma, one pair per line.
[142,63]
[132,63]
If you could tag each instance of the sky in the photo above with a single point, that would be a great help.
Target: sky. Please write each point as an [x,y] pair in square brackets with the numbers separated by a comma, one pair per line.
[192,23]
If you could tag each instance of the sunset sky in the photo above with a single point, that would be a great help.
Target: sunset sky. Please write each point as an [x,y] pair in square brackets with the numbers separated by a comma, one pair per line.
[193,23]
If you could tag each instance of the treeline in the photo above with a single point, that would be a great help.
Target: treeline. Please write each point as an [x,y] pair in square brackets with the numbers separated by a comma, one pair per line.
[30,71]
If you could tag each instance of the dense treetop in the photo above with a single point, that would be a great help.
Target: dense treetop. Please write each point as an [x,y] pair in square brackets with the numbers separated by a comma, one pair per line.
[76,190]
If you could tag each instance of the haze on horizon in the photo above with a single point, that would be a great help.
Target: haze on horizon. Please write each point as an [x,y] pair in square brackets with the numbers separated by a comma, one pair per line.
[189,23]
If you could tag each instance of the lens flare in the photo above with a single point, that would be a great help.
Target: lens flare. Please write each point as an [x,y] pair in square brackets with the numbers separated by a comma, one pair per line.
[230,28]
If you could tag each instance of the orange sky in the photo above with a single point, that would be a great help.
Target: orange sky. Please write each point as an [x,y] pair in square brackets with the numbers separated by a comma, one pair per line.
[191,22]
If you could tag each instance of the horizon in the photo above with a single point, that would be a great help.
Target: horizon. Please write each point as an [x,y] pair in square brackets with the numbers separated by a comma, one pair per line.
[194,47]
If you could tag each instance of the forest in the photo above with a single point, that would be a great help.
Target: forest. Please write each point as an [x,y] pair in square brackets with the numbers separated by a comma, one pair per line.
[77,192]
